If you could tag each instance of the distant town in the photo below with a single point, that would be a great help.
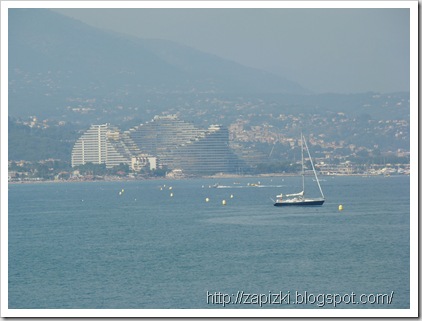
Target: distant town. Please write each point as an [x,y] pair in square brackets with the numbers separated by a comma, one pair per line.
[124,109]
[263,144]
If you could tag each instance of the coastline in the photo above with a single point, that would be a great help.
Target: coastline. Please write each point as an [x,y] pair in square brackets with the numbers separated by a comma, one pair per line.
[217,176]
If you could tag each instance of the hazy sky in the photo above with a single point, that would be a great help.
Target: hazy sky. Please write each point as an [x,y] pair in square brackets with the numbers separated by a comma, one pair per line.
[324,50]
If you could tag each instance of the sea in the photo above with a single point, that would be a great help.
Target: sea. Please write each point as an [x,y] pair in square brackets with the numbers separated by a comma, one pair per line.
[172,244]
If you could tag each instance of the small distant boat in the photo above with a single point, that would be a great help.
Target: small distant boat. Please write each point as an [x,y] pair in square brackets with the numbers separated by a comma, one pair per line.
[299,199]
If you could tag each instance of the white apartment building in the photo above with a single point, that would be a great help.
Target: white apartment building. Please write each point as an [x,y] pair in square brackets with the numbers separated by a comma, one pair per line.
[104,144]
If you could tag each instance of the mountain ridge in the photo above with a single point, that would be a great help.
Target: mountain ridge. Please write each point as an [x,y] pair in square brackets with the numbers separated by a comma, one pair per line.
[54,59]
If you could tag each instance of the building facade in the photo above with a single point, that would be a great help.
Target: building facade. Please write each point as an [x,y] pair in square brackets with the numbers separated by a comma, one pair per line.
[105,144]
[180,145]
[165,141]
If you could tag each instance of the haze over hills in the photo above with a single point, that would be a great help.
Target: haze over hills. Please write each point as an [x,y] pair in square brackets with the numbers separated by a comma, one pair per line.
[54,59]
[70,76]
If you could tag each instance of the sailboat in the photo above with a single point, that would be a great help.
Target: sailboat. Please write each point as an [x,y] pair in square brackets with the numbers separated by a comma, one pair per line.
[299,199]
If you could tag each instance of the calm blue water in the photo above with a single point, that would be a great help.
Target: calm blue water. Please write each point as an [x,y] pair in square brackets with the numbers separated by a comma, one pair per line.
[82,245]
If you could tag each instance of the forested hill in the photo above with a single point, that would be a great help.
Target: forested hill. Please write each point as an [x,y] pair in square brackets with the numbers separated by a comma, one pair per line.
[39,143]
[55,61]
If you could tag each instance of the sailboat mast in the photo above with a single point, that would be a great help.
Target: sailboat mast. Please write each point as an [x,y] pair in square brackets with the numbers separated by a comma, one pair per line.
[313,168]
[303,169]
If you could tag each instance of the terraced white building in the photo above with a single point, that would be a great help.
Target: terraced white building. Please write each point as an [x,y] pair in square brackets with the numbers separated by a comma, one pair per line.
[180,145]
[173,143]
[105,144]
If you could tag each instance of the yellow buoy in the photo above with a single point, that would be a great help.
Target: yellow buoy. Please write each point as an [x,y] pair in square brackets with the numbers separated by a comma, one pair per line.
[340,207]
[223,202]
[207,199]
[170,188]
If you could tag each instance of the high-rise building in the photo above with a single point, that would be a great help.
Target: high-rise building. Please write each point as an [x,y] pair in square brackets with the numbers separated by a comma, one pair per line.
[105,144]
[180,145]
[164,141]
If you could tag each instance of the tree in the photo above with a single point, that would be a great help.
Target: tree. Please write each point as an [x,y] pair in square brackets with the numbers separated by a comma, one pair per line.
[92,169]
[121,169]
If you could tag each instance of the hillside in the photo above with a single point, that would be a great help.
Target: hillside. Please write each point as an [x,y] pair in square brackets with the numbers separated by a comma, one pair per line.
[70,75]
[55,61]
